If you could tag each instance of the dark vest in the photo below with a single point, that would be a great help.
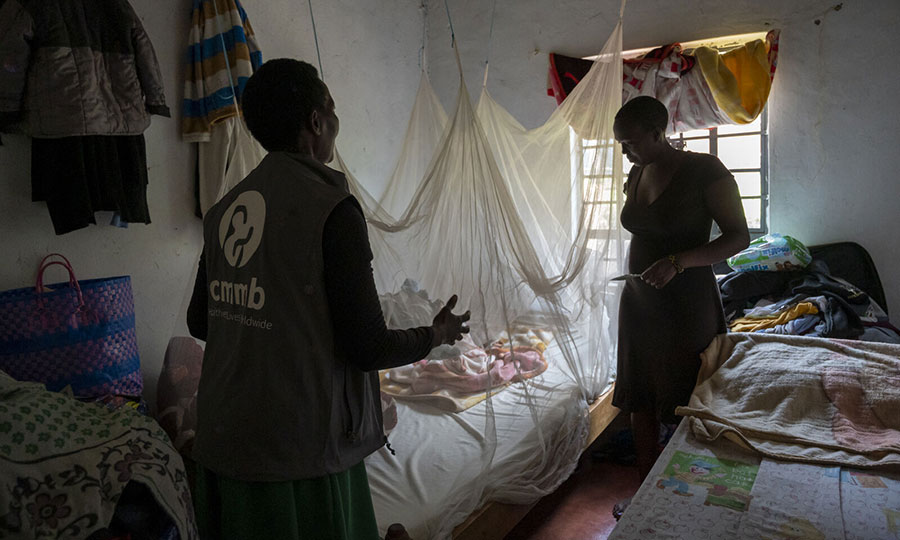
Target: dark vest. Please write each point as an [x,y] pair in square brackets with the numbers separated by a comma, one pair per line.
[277,401]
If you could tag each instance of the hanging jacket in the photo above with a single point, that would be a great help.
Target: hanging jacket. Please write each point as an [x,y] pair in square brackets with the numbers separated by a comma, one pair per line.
[75,68]
[214,82]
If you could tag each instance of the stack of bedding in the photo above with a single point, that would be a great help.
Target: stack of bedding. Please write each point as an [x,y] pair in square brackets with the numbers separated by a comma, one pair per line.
[810,302]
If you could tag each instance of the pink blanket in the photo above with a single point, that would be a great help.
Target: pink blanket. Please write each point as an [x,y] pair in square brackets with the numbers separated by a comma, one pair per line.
[470,372]
[467,373]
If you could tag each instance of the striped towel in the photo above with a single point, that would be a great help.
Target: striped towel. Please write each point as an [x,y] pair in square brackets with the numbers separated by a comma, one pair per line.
[209,86]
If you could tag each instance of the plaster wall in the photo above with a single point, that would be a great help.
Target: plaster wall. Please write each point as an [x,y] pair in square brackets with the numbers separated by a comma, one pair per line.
[833,123]
[833,112]
[370,55]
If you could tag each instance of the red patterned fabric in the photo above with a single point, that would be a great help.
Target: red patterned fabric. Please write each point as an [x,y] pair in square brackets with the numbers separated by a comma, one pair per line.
[772,38]
[567,71]
[664,73]
[669,57]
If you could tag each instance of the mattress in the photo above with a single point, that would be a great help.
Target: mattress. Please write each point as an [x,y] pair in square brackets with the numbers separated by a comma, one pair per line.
[718,490]
[446,466]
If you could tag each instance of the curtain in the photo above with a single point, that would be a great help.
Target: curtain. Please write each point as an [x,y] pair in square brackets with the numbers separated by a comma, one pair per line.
[701,90]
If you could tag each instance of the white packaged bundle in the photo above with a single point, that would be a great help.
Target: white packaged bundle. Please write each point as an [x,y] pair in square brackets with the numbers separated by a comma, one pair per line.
[773,252]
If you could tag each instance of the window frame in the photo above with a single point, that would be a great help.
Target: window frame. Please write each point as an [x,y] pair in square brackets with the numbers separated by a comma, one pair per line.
[723,43]
[713,137]
[618,166]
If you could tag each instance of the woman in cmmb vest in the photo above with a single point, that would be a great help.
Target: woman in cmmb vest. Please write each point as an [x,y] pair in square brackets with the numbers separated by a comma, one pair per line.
[289,403]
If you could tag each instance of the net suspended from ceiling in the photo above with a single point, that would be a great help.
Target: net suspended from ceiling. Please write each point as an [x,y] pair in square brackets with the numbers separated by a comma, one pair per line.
[524,226]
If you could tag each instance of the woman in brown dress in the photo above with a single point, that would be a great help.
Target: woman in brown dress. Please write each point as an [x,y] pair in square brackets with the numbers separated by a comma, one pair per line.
[669,315]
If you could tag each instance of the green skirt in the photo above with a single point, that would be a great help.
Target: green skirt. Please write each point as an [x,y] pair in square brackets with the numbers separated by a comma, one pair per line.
[332,507]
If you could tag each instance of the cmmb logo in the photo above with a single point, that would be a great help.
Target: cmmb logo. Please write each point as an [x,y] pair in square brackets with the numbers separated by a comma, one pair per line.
[240,233]
[241,228]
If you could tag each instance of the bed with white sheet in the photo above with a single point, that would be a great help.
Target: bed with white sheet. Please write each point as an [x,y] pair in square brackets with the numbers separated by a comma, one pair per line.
[784,437]
[436,478]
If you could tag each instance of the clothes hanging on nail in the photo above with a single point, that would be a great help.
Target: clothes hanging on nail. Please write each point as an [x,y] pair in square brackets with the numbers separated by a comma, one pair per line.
[222,55]
[79,176]
[81,78]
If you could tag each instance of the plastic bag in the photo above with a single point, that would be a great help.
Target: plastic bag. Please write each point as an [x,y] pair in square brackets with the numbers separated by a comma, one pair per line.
[772,252]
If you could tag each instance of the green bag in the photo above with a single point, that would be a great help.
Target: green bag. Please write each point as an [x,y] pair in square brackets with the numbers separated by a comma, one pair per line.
[772,252]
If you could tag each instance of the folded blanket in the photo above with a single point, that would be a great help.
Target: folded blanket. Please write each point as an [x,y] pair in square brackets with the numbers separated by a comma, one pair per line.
[802,399]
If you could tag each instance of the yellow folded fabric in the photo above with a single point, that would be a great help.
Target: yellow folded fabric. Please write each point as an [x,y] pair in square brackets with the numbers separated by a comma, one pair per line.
[739,79]
[748,324]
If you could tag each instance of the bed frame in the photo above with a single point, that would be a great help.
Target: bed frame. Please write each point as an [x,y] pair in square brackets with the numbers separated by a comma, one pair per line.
[494,520]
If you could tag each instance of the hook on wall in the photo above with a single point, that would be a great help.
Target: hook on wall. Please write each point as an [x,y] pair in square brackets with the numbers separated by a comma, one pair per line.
[832,8]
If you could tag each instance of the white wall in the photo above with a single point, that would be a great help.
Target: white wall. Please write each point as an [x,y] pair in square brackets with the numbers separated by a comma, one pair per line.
[833,120]
[834,115]
[835,125]
[370,58]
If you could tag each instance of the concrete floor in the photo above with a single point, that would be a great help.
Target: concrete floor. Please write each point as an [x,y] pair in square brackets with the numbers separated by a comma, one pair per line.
[581,509]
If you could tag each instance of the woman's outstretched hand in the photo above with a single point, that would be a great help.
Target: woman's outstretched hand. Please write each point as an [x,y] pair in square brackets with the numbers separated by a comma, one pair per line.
[447,326]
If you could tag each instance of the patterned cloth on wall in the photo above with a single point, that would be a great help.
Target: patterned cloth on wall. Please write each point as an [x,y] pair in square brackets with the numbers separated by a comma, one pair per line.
[222,55]
[672,78]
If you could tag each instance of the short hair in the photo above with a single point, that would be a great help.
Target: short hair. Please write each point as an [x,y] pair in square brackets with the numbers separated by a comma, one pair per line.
[278,100]
[645,111]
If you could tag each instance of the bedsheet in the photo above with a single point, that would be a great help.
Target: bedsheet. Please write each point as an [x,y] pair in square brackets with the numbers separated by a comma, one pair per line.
[438,477]
[718,490]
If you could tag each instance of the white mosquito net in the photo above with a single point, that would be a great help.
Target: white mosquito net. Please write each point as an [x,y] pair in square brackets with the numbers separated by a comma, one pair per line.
[524,226]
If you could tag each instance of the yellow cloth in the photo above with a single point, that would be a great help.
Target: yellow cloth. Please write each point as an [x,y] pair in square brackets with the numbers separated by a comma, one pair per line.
[739,79]
[752,324]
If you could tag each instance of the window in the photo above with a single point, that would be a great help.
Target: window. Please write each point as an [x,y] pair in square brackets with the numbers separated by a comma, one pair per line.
[743,150]
[600,194]
[596,181]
